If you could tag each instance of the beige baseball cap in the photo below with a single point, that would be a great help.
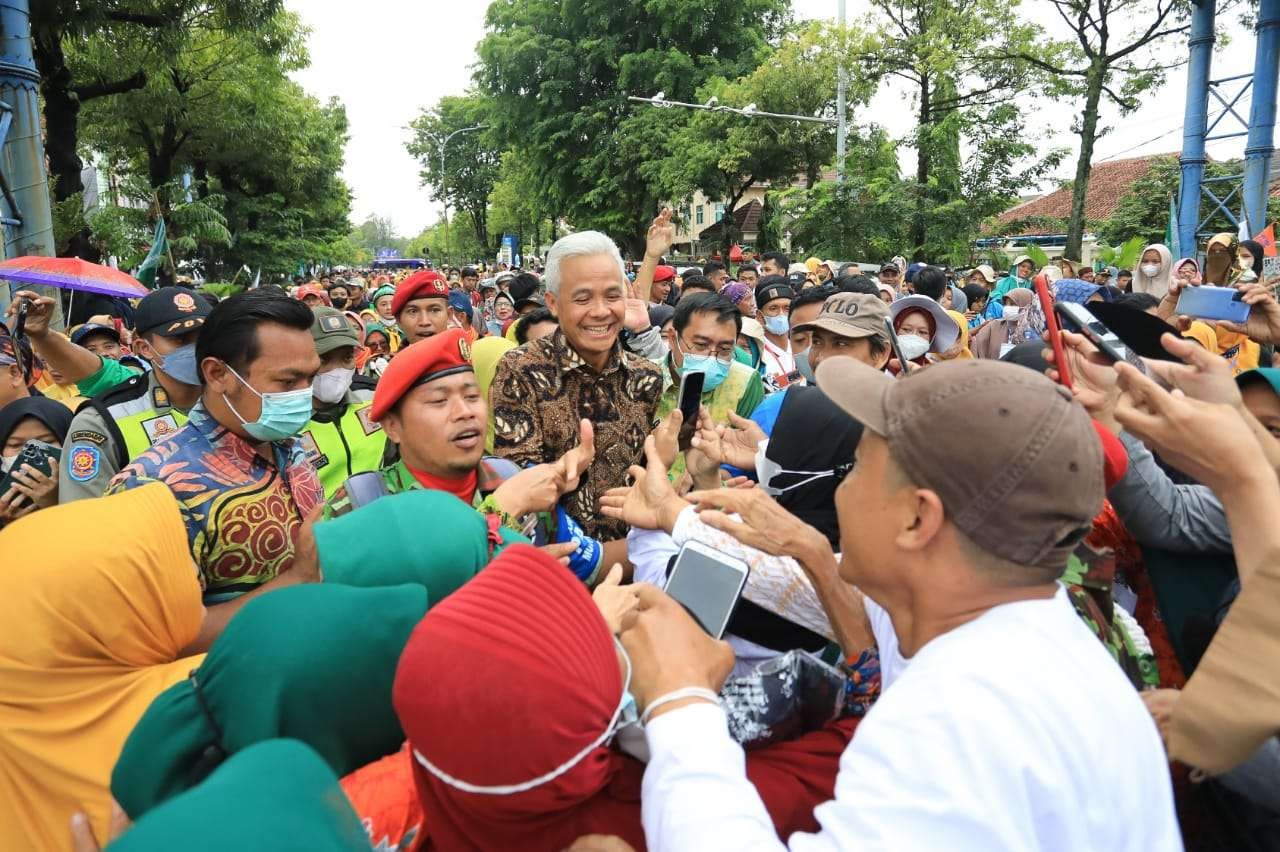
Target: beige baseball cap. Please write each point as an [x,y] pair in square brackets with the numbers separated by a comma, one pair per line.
[851,315]
[1028,491]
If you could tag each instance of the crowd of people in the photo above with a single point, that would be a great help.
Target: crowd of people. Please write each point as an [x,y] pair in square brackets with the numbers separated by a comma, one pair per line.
[378,561]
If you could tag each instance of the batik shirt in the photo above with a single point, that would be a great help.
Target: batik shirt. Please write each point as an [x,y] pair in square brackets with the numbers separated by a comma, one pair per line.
[540,392]
[242,512]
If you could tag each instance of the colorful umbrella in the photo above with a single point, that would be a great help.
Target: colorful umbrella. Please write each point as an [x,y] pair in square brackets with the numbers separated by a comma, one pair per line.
[71,273]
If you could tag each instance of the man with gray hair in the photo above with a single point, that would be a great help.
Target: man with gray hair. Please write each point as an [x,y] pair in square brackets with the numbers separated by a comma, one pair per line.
[545,389]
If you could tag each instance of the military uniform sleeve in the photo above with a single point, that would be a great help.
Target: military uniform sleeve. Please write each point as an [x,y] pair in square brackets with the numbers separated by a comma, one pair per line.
[517,428]
[751,397]
[88,458]
[110,374]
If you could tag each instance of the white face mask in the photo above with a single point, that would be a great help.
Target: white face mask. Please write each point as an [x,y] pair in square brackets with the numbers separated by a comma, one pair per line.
[379,364]
[767,469]
[1150,269]
[6,462]
[623,716]
[1011,311]
[913,346]
[332,386]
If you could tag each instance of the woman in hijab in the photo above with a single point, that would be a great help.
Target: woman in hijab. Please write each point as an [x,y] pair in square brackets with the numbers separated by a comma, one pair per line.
[1079,292]
[742,296]
[485,355]
[960,349]
[32,418]
[504,312]
[525,627]
[1249,256]
[923,327]
[1187,272]
[1154,271]
[1220,262]
[93,627]
[1019,277]
[307,662]
[997,337]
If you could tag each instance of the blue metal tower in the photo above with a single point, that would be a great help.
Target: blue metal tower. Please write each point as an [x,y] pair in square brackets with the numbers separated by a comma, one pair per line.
[1250,189]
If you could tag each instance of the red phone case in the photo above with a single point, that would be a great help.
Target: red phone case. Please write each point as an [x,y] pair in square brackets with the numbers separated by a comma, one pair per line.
[1055,332]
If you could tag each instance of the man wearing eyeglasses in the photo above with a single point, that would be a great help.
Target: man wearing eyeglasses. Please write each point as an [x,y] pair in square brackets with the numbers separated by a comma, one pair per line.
[701,338]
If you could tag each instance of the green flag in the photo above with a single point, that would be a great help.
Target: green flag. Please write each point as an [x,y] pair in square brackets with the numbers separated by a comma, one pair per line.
[1171,232]
[151,263]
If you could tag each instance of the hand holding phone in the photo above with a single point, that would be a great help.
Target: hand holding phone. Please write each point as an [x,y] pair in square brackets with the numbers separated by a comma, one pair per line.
[1054,332]
[1212,303]
[896,346]
[690,401]
[708,584]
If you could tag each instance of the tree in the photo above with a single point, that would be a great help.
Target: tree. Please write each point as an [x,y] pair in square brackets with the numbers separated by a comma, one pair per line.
[724,154]
[953,54]
[559,75]
[1110,53]
[516,203]
[1144,210]
[471,159]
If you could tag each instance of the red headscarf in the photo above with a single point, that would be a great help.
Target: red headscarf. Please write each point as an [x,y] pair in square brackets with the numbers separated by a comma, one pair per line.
[513,675]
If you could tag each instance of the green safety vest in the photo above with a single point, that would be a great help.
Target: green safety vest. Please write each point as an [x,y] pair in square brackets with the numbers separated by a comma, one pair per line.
[140,431]
[137,415]
[340,448]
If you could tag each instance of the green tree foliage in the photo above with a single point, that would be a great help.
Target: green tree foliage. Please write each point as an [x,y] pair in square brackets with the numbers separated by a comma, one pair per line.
[1144,210]
[559,74]
[1112,52]
[952,54]
[471,159]
[516,205]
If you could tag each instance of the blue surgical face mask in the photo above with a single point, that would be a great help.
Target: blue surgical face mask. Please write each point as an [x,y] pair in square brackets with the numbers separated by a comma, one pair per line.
[806,370]
[180,365]
[715,371]
[778,325]
[284,413]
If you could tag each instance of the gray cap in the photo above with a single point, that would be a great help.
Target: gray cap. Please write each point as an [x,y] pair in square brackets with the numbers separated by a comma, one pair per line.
[851,315]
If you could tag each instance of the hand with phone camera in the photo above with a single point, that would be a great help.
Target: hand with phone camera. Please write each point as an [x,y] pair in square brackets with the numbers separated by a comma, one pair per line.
[1095,377]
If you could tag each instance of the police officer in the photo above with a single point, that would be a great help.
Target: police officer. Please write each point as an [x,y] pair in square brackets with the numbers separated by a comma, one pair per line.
[135,411]
[341,439]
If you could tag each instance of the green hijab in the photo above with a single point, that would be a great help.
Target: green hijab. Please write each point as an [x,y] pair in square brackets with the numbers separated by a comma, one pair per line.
[313,662]
[304,808]
[417,536]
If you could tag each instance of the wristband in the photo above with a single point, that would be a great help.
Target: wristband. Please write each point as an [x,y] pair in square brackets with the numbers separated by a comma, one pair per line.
[585,561]
[679,695]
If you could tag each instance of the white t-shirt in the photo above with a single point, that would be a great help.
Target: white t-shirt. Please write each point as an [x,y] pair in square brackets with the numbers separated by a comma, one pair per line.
[1016,731]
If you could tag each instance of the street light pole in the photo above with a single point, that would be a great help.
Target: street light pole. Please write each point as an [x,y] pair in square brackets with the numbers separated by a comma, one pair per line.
[841,85]
[444,199]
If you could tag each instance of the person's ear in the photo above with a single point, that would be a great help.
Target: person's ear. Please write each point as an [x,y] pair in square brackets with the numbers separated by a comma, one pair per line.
[217,376]
[922,519]
[552,304]
[391,425]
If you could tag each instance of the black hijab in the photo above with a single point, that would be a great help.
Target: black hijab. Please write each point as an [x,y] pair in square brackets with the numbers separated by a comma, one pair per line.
[54,415]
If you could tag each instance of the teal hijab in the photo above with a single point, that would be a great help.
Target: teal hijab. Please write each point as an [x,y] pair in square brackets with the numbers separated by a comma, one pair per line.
[1010,282]
[277,794]
[418,536]
[313,662]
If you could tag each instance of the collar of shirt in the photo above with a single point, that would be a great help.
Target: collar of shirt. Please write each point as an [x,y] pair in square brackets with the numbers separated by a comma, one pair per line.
[569,359]
[284,454]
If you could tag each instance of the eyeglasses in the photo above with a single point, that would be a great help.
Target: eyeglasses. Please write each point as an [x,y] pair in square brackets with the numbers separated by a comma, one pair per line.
[723,354]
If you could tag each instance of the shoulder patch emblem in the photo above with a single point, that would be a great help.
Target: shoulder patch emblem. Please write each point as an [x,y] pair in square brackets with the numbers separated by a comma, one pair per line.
[159,428]
[86,437]
[85,463]
[184,302]
[369,424]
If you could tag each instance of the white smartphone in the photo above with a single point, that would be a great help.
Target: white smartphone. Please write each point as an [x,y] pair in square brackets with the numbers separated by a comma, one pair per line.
[708,584]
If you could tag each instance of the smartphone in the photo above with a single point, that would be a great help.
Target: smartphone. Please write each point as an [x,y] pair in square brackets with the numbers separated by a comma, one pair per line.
[1213,303]
[708,584]
[364,488]
[690,400]
[1078,318]
[1054,332]
[897,347]
[36,453]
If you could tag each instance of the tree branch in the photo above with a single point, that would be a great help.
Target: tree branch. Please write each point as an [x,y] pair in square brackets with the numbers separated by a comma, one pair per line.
[97,90]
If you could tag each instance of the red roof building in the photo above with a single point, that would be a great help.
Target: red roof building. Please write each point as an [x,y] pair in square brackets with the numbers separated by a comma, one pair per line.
[1109,183]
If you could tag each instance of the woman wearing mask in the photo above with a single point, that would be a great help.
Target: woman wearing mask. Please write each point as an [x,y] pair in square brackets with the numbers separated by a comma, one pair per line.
[1249,261]
[339,296]
[997,337]
[32,418]
[922,327]
[1221,265]
[1154,271]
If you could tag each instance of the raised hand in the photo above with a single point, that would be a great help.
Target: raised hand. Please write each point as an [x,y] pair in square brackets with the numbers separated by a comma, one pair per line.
[1263,324]
[650,503]
[576,462]
[662,233]
[39,312]
[1203,375]
[763,524]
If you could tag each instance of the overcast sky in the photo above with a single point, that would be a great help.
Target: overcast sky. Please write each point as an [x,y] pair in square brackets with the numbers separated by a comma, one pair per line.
[387,59]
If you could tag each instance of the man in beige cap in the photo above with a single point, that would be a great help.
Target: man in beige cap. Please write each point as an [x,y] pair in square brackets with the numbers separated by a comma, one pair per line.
[850,325]
[1003,724]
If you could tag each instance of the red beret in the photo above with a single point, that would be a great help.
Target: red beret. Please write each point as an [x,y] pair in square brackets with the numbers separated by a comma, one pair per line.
[423,284]
[664,273]
[439,355]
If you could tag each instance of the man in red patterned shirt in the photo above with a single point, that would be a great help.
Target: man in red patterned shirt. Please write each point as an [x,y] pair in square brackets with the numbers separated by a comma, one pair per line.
[241,478]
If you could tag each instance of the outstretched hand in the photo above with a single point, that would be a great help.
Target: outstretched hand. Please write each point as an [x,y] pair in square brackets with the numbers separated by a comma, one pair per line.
[761,524]
[648,504]
[576,462]
[662,233]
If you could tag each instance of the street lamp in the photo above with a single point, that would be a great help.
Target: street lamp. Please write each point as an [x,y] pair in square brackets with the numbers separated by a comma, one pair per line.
[444,198]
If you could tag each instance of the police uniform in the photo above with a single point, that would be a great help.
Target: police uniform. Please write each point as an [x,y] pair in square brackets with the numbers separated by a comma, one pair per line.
[342,439]
[117,425]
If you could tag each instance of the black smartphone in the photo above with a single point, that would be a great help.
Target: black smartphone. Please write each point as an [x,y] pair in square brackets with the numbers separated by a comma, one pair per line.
[708,584]
[897,347]
[1078,318]
[36,453]
[690,400]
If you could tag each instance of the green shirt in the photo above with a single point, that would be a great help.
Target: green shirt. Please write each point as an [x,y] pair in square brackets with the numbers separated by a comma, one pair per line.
[110,374]
[740,392]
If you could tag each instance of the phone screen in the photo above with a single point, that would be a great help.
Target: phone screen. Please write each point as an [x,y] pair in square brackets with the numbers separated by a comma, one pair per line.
[690,401]
[1079,317]
[893,342]
[707,587]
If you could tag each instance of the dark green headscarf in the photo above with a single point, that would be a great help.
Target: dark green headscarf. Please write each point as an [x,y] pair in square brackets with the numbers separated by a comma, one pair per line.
[420,536]
[314,662]
[276,794]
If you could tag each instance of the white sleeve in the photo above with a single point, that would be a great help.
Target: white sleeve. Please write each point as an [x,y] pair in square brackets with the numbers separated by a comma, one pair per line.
[649,552]
[696,795]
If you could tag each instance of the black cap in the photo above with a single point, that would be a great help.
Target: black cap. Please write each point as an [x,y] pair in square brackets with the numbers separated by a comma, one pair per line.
[891,267]
[774,287]
[797,280]
[170,311]
[532,299]
[78,336]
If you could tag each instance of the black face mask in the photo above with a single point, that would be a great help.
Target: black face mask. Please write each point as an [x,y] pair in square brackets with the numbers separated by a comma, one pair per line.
[340,303]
